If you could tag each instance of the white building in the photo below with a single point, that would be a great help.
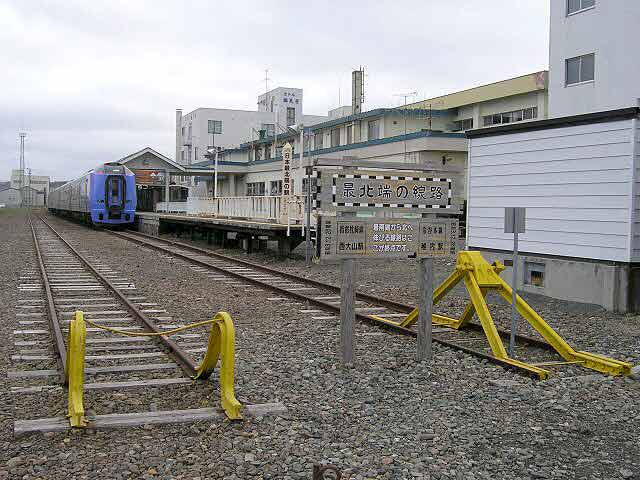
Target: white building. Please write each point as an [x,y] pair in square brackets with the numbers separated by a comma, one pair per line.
[238,126]
[593,64]
[426,132]
[577,173]
[39,183]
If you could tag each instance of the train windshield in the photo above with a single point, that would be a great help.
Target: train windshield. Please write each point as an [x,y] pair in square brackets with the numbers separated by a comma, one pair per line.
[115,191]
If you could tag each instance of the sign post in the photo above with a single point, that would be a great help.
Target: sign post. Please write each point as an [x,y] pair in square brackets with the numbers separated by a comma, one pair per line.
[342,192]
[514,222]
[214,127]
[425,309]
[347,306]
[307,254]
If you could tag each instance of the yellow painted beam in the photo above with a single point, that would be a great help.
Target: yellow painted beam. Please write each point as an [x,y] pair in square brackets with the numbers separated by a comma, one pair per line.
[221,345]
[74,374]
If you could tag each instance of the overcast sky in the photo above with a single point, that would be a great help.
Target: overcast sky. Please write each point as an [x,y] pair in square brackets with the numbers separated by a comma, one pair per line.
[91,82]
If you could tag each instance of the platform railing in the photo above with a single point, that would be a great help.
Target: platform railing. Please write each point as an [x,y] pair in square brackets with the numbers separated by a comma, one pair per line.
[268,209]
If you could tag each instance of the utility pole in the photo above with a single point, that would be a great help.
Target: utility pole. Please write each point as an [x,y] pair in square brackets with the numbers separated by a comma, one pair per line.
[29,203]
[22,137]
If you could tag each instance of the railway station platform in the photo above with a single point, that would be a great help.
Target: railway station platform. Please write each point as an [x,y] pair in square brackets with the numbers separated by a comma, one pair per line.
[250,235]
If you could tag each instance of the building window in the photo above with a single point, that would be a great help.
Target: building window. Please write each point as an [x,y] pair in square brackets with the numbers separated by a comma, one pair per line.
[258,153]
[373,130]
[267,152]
[214,127]
[255,189]
[195,154]
[335,137]
[574,6]
[349,134]
[276,188]
[581,69]
[466,124]
[291,116]
[534,274]
[509,117]
[269,128]
[317,140]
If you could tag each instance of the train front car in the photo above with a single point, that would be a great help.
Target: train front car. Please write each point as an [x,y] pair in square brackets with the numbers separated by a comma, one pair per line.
[112,200]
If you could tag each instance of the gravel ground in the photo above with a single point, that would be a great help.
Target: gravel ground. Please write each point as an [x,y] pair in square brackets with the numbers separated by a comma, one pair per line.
[388,417]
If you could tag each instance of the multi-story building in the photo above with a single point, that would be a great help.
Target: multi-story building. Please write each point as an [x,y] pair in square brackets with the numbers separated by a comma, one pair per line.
[577,173]
[507,101]
[279,107]
[426,132]
[592,65]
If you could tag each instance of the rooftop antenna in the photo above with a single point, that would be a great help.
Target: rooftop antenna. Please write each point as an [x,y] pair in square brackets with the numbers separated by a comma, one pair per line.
[266,90]
[404,114]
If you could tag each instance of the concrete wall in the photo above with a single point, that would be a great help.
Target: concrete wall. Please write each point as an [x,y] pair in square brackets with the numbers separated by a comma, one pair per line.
[575,181]
[10,197]
[604,284]
[610,30]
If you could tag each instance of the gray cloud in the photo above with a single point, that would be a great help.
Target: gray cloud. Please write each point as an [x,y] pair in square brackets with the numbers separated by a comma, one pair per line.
[94,81]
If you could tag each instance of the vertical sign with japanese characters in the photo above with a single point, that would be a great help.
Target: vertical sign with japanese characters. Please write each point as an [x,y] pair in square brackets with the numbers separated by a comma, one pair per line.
[287,153]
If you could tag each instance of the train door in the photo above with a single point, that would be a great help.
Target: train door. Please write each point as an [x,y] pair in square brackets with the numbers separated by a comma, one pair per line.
[115,196]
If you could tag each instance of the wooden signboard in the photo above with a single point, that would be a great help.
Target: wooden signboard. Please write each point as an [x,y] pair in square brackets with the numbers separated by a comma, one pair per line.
[149,177]
[371,238]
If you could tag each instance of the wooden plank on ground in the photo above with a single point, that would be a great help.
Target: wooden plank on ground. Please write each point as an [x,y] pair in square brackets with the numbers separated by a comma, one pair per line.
[120,420]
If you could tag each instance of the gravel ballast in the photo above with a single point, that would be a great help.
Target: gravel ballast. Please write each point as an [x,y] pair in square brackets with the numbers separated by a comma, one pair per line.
[388,417]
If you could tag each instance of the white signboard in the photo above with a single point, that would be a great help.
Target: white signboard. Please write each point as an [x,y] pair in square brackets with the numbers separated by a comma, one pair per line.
[373,190]
[287,154]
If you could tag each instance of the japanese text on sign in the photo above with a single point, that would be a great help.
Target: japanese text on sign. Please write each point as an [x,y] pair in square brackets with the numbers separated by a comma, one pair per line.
[389,190]
[380,238]
[287,153]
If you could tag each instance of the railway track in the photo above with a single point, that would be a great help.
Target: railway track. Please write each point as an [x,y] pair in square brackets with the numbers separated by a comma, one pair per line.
[132,380]
[325,298]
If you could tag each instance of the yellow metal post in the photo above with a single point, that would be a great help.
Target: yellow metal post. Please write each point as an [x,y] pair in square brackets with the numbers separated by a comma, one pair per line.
[221,345]
[74,374]
[490,330]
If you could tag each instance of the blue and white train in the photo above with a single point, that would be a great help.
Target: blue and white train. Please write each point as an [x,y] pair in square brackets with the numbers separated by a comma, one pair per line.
[105,196]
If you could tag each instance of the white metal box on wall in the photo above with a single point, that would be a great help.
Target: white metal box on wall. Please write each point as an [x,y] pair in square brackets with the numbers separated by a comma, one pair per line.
[579,178]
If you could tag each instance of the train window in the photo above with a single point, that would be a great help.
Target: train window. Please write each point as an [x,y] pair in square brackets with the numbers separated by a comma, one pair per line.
[115,186]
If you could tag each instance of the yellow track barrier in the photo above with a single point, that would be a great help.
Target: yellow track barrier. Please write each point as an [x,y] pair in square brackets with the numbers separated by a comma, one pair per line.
[221,346]
[74,374]
[222,339]
[480,278]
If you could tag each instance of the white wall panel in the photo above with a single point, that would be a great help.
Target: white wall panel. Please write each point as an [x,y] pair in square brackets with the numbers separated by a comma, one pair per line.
[576,183]
[635,213]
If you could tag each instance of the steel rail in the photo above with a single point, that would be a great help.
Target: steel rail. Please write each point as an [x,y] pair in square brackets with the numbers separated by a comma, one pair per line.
[184,360]
[325,305]
[54,324]
[385,302]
